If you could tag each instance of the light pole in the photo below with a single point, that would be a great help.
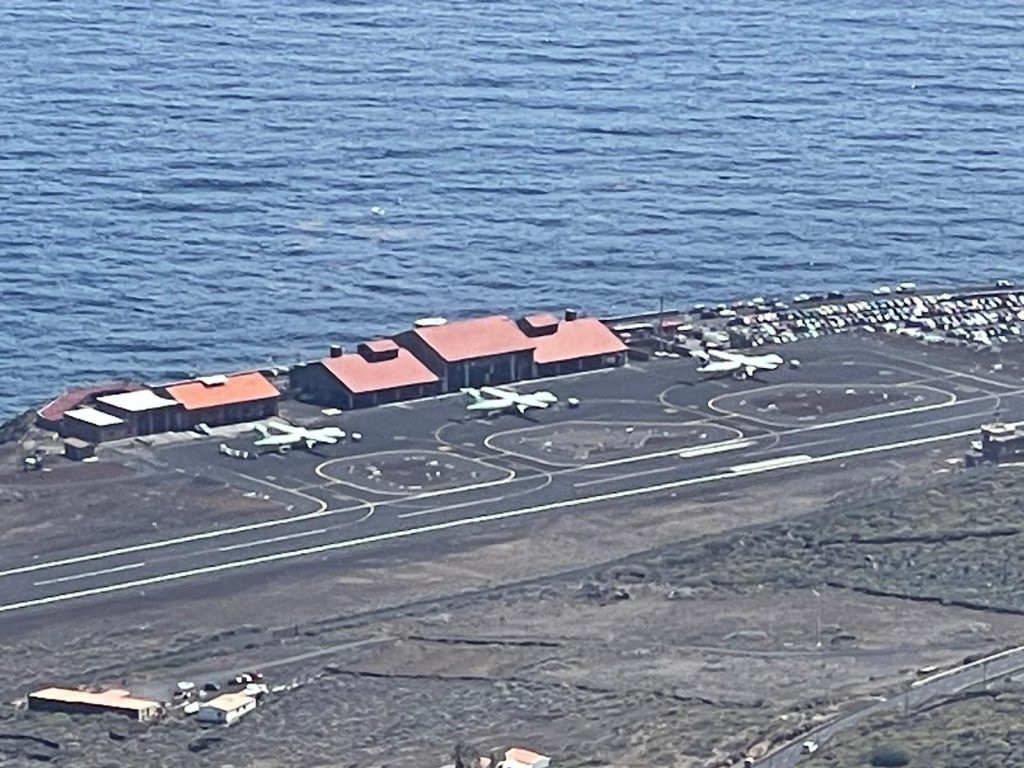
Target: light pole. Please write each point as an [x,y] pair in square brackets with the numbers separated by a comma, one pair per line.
[661,322]
[817,621]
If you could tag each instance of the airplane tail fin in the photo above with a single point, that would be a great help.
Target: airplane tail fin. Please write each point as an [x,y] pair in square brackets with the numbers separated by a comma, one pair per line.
[701,355]
[473,394]
[261,430]
[521,408]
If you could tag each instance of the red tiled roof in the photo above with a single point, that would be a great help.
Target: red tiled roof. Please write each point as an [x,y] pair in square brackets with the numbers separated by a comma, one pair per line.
[477,337]
[214,391]
[584,337]
[360,375]
[56,408]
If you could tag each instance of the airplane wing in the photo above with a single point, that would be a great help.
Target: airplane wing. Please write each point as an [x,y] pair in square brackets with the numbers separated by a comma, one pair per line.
[494,404]
[721,366]
[497,392]
[721,354]
[287,439]
[533,401]
[325,434]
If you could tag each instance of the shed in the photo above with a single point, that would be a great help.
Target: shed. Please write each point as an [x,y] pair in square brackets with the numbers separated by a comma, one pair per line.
[572,345]
[379,372]
[517,757]
[472,353]
[93,426]
[144,410]
[114,701]
[226,708]
[220,400]
[78,450]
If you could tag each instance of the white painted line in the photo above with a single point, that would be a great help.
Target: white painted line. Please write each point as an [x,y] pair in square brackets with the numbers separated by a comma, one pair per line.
[247,544]
[463,522]
[708,450]
[320,503]
[767,465]
[181,540]
[78,576]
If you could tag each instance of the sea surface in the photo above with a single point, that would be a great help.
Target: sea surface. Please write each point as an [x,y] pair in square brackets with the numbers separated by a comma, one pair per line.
[205,186]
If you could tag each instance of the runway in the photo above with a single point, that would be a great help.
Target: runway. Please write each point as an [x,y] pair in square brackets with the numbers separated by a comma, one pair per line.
[424,472]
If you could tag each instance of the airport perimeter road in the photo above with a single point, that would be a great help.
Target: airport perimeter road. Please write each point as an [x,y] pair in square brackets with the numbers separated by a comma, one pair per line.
[41,583]
[943,685]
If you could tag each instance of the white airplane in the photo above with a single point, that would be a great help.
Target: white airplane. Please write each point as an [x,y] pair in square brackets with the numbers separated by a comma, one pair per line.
[717,362]
[284,437]
[496,399]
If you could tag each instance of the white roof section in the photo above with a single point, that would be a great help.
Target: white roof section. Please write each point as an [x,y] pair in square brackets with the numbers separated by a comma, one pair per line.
[94,417]
[228,702]
[137,401]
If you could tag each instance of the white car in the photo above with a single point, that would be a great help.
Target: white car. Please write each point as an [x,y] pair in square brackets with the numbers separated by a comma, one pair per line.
[882,290]
[809,747]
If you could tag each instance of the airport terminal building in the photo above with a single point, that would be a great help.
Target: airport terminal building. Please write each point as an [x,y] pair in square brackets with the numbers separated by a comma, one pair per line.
[379,372]
[477,352]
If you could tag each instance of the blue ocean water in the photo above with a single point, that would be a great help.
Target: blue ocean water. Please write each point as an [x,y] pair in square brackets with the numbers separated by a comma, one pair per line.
[199,186]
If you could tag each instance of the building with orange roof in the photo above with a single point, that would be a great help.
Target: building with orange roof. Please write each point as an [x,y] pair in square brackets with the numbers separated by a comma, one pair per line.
[472,353]
[113,701]
[378,372]
[572,344]
[219,400]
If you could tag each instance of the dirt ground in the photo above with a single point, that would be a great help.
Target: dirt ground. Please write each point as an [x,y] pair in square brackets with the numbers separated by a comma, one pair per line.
[688,654]
[578,441]
[75,503]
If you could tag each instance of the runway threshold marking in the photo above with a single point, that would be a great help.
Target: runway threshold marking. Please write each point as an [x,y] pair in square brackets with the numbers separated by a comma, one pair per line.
[463,522]
[77,576]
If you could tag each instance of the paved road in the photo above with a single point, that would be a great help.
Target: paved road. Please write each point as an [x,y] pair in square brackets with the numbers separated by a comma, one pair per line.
[746,448]
[940,686]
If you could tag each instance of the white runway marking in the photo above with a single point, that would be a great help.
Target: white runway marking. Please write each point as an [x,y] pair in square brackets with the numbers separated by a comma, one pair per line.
[779,462]
[274,539]
[78,576]
[463,522]
[708,450]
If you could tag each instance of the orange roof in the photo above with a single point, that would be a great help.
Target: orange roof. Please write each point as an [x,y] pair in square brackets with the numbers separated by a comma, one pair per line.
[477,337]
[213,391]
[584,337]
[361,375]
[112,699]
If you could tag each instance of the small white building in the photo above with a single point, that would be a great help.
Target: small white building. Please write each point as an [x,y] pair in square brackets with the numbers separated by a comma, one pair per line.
[524,758]
[226,708]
